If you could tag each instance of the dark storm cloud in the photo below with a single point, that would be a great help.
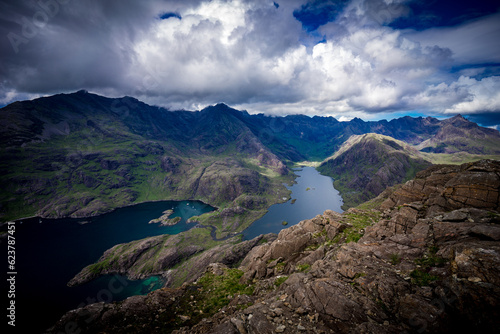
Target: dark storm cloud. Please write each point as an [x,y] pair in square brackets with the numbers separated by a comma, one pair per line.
[60,45]
[442,13]
[486,119]
[341,58]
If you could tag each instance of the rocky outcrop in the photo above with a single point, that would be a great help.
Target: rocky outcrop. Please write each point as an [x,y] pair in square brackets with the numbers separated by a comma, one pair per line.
[165,220]
[170,164]
[444,188]
[229,253]
[159,255]
[138,259]
[426,261]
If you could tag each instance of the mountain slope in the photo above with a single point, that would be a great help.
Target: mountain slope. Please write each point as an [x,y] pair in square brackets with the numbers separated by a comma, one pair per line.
[425,261]
[300,137]
[457,134]
[367,164]
[82,154]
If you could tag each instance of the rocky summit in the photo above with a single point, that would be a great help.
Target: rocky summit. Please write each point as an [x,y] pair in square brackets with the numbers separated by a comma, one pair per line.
[423,257]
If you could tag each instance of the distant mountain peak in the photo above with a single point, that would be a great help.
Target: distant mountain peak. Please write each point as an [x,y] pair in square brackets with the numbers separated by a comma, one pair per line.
[457,119]
[389,142]
[222,105]
[357,120]
[458,134]
[369,163]
[219,107]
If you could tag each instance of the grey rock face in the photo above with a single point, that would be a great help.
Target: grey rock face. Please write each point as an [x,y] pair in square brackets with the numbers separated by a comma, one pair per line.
[427,261]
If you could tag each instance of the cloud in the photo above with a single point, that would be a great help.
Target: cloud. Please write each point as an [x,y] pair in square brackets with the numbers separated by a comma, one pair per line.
[473,42]
[295,56]
[221,50]
[224,53]
[484,96]
[64,45]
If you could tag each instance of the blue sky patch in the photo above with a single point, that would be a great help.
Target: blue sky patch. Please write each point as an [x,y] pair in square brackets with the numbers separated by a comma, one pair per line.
[443,13]
[166,16]
[317,13]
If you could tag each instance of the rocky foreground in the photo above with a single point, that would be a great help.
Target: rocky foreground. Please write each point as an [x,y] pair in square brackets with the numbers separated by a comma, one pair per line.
[426,259]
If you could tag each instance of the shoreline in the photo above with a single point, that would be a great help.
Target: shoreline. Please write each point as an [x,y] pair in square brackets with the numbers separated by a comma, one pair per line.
[294,181]
[112,210]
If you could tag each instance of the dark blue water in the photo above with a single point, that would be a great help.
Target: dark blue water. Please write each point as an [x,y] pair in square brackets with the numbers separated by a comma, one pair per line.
[50,253]
[313,193]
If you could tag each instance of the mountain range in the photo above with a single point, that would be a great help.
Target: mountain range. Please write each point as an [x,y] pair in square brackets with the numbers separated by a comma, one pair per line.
[82,154]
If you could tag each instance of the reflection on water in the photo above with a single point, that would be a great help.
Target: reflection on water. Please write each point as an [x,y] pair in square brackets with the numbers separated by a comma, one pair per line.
[313,194]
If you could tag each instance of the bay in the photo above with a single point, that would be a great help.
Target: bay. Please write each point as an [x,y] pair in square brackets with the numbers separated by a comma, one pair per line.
[49,252]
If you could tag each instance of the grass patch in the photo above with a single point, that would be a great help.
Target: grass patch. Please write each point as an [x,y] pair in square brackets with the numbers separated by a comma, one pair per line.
[312,247]
[216,291]
[280,267]
[395,259]
[356,276]
[280,280]
[354,236]
[204,298]
[455,158]
[321,233]
[99,267]
[303,267]
[431,259]
[421,276]
[262,241]
[307,164]
[358,221]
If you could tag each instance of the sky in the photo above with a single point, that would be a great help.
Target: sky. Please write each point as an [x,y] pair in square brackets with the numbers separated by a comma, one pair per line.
[372,59]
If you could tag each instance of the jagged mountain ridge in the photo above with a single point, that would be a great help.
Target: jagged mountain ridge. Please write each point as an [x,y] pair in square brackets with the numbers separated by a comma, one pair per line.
[92,154]
[457,134]
[26,120]
[101,152]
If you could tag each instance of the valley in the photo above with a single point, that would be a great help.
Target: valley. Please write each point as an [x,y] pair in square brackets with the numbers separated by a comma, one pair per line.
[422,258]
[82,155]
[131,253]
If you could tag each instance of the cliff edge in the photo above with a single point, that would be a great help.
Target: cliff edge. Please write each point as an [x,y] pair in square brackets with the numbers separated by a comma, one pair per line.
[427,259]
